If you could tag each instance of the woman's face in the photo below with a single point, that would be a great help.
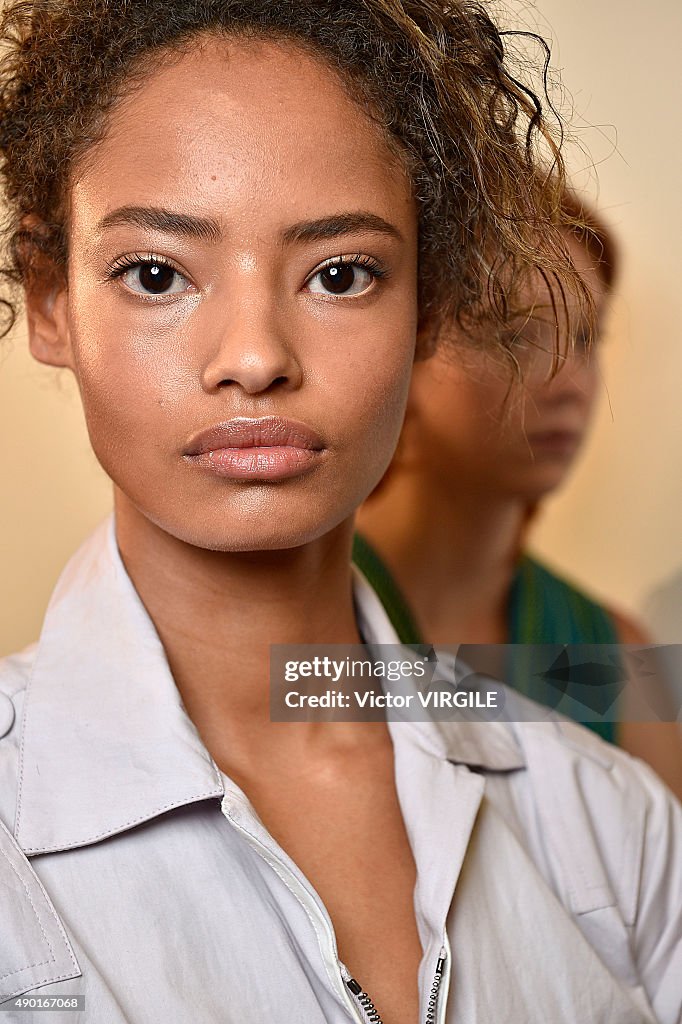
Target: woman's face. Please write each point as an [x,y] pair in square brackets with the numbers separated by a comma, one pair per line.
[472,427]
[241,308]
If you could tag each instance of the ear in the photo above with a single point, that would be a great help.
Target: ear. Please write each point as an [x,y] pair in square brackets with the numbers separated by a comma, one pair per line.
[48,323]
[427,339]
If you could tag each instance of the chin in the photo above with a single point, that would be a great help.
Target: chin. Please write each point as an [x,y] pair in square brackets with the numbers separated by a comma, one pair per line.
[253,540]
[235,530]
[251,518]
[541,486]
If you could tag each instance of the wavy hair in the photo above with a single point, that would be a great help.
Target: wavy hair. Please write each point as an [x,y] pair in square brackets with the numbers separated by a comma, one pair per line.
[482,149]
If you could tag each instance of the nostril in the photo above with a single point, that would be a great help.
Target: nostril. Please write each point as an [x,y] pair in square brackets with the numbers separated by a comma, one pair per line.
[250,385]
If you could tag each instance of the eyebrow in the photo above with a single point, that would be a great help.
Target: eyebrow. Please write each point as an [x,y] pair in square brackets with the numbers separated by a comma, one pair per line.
[209,229]
[337,225]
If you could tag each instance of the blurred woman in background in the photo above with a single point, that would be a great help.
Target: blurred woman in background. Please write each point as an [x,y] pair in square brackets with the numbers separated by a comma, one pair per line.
[443,537]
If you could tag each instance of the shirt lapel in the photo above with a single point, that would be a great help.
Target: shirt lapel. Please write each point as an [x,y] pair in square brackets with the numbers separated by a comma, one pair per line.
[106,741]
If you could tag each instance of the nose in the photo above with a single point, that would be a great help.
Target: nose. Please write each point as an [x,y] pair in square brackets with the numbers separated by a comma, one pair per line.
[574,378]
[252,347]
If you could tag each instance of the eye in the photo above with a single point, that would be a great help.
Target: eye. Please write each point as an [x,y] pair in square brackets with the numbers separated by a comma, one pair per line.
[345,277]
[584,341]
[152,276]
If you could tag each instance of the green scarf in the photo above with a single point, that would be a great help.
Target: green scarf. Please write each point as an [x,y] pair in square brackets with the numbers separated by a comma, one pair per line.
[543,609]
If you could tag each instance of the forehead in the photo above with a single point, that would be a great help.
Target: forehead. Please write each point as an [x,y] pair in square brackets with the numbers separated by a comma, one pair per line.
[250,125]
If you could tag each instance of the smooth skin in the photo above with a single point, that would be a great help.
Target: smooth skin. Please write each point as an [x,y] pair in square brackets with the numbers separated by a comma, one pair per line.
[285,172]
[476,455]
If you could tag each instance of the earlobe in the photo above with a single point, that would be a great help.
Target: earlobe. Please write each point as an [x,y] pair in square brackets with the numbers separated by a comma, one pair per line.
[48,326]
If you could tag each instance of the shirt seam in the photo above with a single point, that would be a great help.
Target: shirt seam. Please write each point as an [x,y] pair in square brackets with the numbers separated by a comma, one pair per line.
[52,958]
[298,899]
[38,963]
[125,825]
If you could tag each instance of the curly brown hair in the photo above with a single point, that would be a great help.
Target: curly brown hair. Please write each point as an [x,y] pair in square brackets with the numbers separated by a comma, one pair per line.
[596,235]
[482,151]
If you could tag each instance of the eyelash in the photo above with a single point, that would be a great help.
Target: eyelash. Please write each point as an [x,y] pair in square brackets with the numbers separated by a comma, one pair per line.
[368,263]
[118,267]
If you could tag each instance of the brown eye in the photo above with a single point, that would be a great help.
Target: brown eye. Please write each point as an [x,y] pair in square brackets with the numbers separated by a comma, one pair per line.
[341,279]
[338,279]
[154,278]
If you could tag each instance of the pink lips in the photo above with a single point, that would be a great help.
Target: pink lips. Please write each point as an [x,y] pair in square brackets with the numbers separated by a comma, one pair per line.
[269,448]
[555,442]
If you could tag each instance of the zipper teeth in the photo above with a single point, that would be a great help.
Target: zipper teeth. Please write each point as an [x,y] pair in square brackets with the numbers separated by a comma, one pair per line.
[361,997]
[372,1014]
[435,988]
[369,1009]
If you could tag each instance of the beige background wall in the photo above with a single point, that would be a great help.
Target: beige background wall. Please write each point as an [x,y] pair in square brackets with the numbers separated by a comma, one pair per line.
[616,527]
[618,524]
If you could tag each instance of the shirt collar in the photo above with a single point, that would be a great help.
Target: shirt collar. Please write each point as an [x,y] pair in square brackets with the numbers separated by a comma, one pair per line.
[490,746]
[106,741]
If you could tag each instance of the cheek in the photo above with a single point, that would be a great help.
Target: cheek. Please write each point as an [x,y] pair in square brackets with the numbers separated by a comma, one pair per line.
[463,414]
[593,384]
[126,389]
[131,346]
[367,385]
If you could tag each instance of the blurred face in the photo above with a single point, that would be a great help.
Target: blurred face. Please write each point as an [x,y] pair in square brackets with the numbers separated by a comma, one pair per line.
[241,307]
[470,429]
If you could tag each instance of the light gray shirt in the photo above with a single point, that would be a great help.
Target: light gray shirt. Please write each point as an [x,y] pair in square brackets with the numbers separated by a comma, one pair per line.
[133,871]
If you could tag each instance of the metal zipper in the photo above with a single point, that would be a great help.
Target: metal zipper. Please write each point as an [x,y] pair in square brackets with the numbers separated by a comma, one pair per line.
[271,859]
[360,998]
[370,1011]
[432,1008]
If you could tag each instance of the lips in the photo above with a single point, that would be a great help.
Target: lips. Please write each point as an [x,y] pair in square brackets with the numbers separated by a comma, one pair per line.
[269,448]
[267,432]
[559,441]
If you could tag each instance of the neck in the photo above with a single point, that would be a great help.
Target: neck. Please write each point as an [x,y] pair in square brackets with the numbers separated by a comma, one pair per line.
[217,613]
[452,551]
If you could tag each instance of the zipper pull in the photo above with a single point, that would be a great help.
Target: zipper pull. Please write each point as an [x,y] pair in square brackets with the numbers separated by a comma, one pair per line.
[369,1009]
[355,988]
